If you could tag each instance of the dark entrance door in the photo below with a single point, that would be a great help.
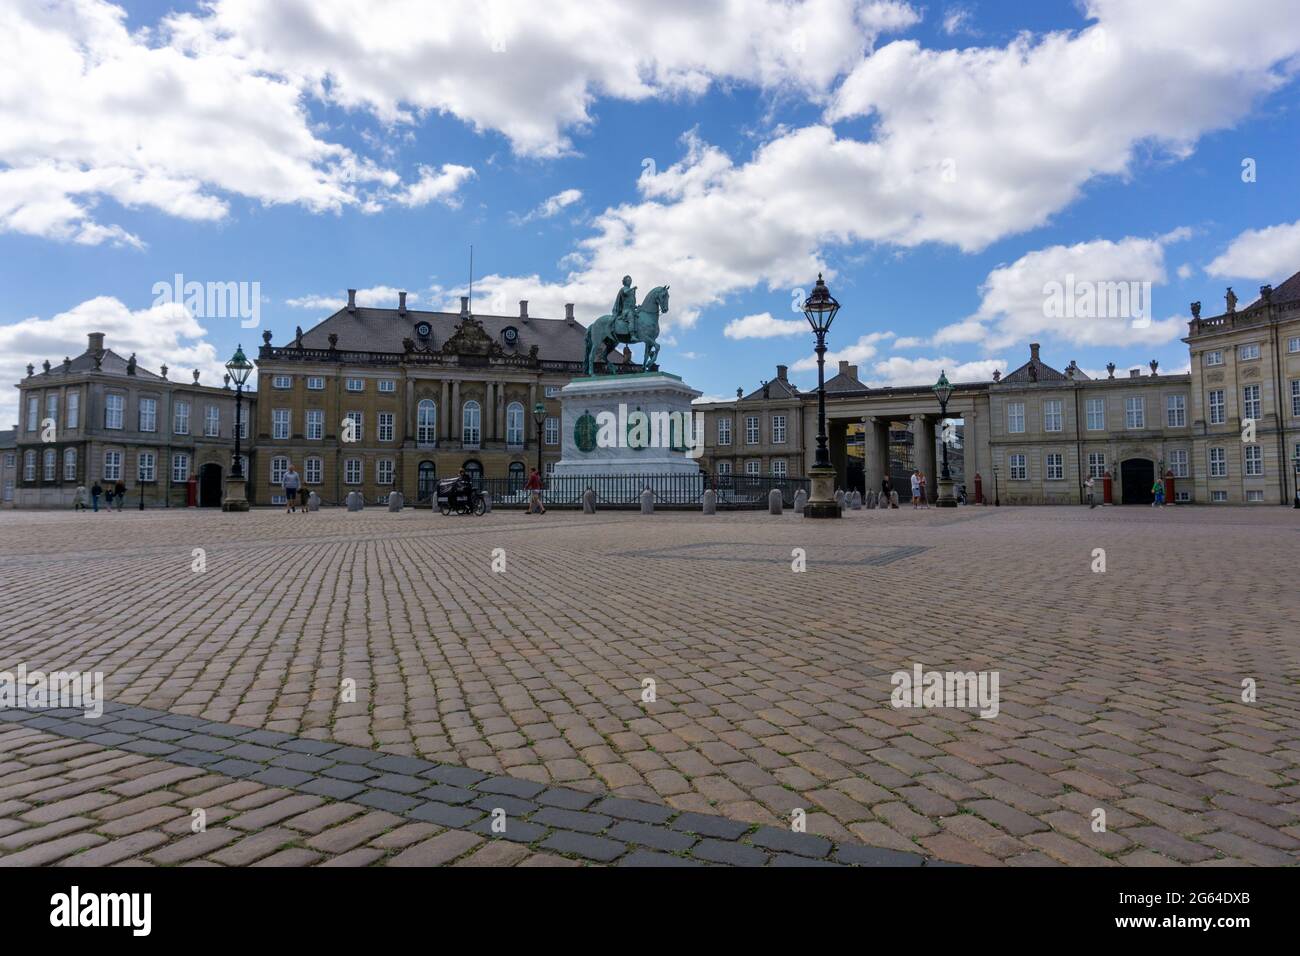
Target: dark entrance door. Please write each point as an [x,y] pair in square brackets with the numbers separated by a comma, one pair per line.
[1137,475]
[427,477]
[210,486]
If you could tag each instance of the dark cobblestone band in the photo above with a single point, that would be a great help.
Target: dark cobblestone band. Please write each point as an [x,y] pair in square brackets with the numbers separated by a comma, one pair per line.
[589,826]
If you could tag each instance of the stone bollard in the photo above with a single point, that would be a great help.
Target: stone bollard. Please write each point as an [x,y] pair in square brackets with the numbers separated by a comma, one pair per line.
[871,499]
[893,499]
[487,502]
[355,501]
[710,502]
[647,502]
[395,501]
[855,501]
[774,501]
[589,502]
[313,502]
[800,499]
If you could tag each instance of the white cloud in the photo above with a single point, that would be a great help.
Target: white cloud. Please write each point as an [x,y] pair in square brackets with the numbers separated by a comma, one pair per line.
[896,370]
[763,326]
[856,353]
[435,184]
[1185,271]
[1271,254]
[1016,304]
[553,204]
[162,334]
[378,296]
[910,342]
[957,20]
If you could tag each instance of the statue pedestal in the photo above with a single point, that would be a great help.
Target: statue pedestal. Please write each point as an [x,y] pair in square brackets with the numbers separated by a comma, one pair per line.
[946,498]
[236,498]
[632,424]
[822,504]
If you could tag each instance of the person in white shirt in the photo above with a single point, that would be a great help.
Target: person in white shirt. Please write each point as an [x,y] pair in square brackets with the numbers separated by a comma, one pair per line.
[291,483]
[916,489]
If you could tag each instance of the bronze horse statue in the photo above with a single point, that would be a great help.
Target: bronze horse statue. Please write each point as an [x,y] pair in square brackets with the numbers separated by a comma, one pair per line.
[603,334]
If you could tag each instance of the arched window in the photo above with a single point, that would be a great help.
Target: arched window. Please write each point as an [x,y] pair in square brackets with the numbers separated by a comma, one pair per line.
[426,422]
[516,475]
[514,424]
[471,424]
[427,480]
[70,464]
[474,469]
[51,463]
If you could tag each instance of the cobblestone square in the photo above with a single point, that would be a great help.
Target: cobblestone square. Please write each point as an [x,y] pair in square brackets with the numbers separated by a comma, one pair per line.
[521,689]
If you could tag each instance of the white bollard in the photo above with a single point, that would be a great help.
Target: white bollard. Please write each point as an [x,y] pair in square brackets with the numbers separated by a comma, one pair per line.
[313,502]
[800,499]
[647,502]
[355,501]
[589,502]
[774,502]
[710,505]
[395,501]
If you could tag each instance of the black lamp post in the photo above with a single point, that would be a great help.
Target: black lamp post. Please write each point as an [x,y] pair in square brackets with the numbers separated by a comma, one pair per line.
[239,368]
[943,392]
[997,502]
[539,417]
[1296,477]
[820,309]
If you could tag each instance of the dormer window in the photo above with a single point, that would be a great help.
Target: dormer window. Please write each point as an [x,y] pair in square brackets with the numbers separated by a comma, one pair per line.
[423,330]
[510,336]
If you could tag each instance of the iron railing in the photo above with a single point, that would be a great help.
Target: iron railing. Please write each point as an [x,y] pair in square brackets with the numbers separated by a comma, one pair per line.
[624,491]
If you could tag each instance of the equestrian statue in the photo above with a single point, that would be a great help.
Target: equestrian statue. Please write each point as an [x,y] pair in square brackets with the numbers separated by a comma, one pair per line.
[628,323]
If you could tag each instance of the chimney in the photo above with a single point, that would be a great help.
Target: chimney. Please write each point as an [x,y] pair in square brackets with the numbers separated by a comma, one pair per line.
[853,371]
[464,305]
[95,342]
[568,313]
[401,303]
[523,310]
[782,371]
[352,300]
[1033,352]
[1135,373]
[844,367]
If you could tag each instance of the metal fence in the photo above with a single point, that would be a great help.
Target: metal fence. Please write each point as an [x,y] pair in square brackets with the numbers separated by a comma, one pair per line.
[624,491]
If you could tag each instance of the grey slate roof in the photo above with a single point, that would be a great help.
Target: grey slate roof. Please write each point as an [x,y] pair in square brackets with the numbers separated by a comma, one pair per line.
[1041,371]
[110,364]
[9,438]
[776,388]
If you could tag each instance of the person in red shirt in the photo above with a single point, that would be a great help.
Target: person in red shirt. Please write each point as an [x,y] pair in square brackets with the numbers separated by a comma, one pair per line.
[534,486]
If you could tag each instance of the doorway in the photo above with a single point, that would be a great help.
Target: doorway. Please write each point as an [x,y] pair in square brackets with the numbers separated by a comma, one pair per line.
[210,486]
[1137,475]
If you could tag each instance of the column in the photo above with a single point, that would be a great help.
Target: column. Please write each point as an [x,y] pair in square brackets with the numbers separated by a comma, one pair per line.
[875,449]
[489,413]
[923,452]
[444,413]
[529,425]
[501,411]
[454,411]
[409,413]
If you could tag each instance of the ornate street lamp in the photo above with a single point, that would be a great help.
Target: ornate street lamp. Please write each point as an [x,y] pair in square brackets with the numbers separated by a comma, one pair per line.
[820,309]
[236,498]
[943,392]
[539,418]
[997,502]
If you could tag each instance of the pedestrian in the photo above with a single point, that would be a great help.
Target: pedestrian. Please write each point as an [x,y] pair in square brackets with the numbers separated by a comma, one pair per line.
[1087,490]
[119,493]
[916,489]
[534,487]
[925,493]
[108,498]
[291,484]
[79,500]
[95,492]
[1158,491]
[303,495]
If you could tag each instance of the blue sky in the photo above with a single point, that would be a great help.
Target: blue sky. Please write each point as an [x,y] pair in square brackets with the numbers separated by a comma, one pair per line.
[941,162]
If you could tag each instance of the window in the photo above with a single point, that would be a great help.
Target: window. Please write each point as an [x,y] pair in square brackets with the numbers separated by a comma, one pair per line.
[1182,496]
[1218,496]
[311,471]
[753,467]
[387,385]
[1176,411]
[470,420]
[279,465]
[778,468]
[34,413]
[724,467]
[10,458]
[1214,358]
[1055,466]
[352,471]
[148,415]
[316,383]
[724,431]
[279,423]
[112,465]
[778,431]
[315,424]
[1018,470]
[70,464]
[145,466]
[1250,404]
[386,426]
[552,391]
[751,430]
[1096,412]
[1216,406]
[74,410]
[211,421]
[181,419]
[243,421]
[1293,344]
[1135,412]
[1052,416]
[49,465]
[114,406]
[384,471]
[355,384]
[1218,463]
[1295,397]
[426,417]
[549,468]
[1254,494]
[1247,352]
[358,425]
[514,424]
[1178,463]
[281,381]
[1254,461]
[552,431]
[29,466]
[52,406]
[180,466]
[1096,464]
[1015,417]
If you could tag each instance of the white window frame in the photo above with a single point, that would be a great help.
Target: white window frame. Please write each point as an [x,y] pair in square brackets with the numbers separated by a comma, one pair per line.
[146,467]
[426,417]
[515,424]
[551,430]
[316,383]
[49,465]
[1096,464]
[211,421]
[551,391]
[752,431]
[112,465]
[52,406]
[29,465]
[1214,358]
[1175,411]
[313,469]
[1015,418]
[1095,410]
[1179,464]
[180,467]
[778,429]
[1252,461]
[181,418]
[1293,344]
[1053,415]
[34,414]
[1135,411]
[354,385]
[387,386]
[779,468]
[1218,459]
[279,467]
[69,464]
[471,424]
[1295,398]
[147,417]
[280,422]
[74,410]
[1251,403]
[385,426]
[359,420]
[724,431]
[1248,352]
[724,468]
[114,411]
[282,382]
[753,467]
[385,471]
[1018,467]
[1216,400]
[353,471]
[1054,465]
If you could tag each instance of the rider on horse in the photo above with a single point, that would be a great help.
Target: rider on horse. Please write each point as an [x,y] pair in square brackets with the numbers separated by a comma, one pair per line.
[624,311]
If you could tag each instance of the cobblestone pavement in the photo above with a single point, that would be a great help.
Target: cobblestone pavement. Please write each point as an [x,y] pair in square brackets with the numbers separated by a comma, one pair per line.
[1119,691]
